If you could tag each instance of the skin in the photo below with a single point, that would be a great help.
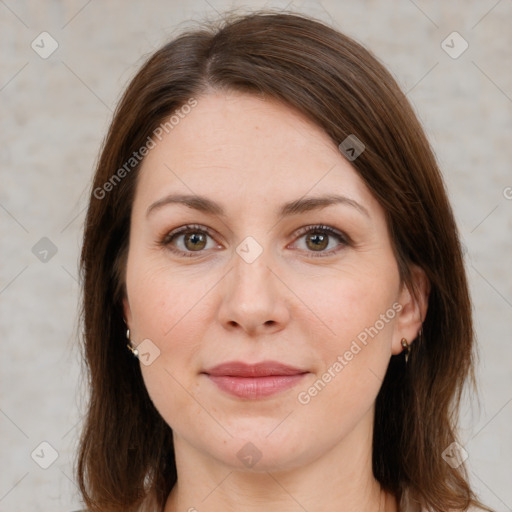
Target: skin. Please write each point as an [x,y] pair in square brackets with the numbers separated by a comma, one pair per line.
[251,155]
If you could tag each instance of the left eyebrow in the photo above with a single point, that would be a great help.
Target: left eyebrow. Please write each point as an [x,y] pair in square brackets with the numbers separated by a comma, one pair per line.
[298,206]
[305,204]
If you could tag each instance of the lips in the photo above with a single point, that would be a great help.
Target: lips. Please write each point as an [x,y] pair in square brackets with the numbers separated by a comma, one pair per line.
[263,369]
[254,381]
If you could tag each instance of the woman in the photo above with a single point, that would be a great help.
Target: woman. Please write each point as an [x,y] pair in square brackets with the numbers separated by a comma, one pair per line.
[274,292]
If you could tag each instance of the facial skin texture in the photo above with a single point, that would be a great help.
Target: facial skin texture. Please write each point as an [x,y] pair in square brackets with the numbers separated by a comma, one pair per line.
[251,155]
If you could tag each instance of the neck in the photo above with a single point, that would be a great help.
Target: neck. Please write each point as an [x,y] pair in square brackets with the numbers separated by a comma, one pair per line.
[341,480]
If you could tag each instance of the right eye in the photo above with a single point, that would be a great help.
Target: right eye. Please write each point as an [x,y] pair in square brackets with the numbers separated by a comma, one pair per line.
[193,239]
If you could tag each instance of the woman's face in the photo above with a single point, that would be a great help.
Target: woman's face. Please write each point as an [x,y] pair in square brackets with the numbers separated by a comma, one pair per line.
[246,283]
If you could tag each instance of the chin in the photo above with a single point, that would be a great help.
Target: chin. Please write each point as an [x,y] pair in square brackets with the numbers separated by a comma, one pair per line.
[265,445]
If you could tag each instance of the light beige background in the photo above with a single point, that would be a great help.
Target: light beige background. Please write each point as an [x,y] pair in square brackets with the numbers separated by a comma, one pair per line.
[55,112]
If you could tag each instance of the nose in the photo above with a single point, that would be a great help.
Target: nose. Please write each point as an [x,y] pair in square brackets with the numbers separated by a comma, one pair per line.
[254,299]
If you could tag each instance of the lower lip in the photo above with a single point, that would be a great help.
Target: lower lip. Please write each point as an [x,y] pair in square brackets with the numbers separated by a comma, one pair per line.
[255,387]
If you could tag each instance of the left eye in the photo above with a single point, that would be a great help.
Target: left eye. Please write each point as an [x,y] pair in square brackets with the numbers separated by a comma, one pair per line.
[318,238]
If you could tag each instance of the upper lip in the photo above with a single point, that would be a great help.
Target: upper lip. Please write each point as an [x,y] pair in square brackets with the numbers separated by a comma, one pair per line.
[263,369]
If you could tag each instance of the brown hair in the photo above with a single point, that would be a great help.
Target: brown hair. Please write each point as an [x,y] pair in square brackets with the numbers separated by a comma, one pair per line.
[126,452]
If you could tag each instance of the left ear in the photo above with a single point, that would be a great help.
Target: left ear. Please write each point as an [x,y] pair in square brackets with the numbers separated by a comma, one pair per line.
[414,302]
[127,312]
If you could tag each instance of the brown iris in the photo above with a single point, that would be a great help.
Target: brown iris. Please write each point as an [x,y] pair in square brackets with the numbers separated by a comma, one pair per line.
[321,241]
[198,241]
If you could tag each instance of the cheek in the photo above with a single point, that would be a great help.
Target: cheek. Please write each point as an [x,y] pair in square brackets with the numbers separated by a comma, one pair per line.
[171,309]
[162,297]
[356,313]
[352,329]
[349,306]
[162,300]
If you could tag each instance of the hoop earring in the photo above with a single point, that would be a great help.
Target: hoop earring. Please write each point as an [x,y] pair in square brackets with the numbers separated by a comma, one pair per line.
[134,351]
[405,345]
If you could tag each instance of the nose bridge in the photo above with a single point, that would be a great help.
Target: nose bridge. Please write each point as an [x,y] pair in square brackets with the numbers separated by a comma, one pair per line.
[251,273]
[251,298]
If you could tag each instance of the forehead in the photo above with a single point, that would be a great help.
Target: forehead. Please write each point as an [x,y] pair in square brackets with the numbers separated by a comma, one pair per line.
[233,143]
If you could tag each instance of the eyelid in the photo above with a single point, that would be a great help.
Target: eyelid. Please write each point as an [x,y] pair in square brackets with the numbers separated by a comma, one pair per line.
[328,229]
[184,229]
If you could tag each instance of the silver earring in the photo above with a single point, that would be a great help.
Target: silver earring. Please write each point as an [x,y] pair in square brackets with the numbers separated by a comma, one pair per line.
[134,351]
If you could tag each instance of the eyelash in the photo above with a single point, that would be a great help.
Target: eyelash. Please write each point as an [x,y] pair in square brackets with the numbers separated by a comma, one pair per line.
[194,228]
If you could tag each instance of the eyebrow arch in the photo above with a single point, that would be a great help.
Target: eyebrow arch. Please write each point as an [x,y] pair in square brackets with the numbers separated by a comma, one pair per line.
[298,206]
